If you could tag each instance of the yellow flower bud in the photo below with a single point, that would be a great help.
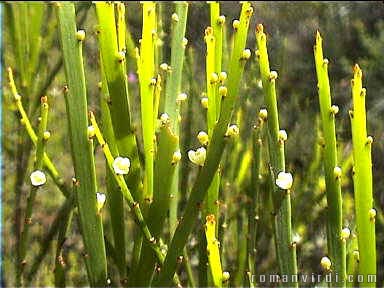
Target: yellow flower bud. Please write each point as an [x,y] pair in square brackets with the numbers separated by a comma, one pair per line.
[203,138]
[80,35]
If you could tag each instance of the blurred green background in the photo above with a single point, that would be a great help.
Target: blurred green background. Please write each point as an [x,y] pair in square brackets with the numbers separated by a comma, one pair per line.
[353,32]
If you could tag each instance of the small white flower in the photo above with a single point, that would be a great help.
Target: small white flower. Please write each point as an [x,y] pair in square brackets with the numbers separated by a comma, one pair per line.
[38,178]
[100,197]
[326,263]
[297,238]
[197,157]
[121,165]
[181,97]
[284,180]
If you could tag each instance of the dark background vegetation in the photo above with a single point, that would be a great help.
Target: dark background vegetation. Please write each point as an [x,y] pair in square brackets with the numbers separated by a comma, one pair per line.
[353,32]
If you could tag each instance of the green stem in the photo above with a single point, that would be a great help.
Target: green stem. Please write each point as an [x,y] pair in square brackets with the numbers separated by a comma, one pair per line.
[362,181]
[38,165]
[285,248]
[215,150]
[336,245]
[81,146]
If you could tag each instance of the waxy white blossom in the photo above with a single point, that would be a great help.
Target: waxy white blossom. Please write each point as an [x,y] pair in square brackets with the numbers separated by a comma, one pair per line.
[197,157]
[38,178]
[121,165]
[284,180]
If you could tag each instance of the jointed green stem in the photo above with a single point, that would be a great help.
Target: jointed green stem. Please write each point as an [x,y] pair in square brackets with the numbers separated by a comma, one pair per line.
[362,181]
[336,245]
[135,207]
[214,153]
[285,248]
[38,165]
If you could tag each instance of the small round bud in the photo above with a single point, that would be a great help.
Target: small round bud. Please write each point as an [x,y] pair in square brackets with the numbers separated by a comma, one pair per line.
[22,121]
[204,102]
[232,131]
[273,75]
[223,91]
[185,42]
[175,17]
[17,97]
[100,85]
[337,172]
[164,66]
[153,82]
[213,78]
[46,135]
[325,61]
[221,20]
[246,54]
[263,114]
[282,135]
[176,157]
[236,24]
[226,276]
[369,140]
[203,138]
[222,76]
[120,56]
[372,214]
[345,233]
[91,132]
[181,97]
[326,263]
[363,92]
[80,35]
[100,200]
[356,254]
[334,109]
[164,119]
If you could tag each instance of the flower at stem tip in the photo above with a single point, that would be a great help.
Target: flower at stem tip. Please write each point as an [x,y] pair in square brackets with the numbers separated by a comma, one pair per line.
[284,180]
[38,178]
[197,157]
[100,198]
[121,165]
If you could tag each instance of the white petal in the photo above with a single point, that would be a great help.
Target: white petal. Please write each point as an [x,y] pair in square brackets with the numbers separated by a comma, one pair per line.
[121,165]
[38,178]
[284,180]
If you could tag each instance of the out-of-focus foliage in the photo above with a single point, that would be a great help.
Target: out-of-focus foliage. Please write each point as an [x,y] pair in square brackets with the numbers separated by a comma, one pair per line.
[352,32]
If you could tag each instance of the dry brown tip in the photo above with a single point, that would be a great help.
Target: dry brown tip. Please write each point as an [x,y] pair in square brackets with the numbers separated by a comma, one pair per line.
[260,28]
[44,99]
[210,219]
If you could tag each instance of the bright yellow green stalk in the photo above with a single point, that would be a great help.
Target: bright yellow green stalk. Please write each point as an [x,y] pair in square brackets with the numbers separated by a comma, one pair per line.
[362,180]
[336,245]
[213,250]
[215,150]
[133,205]
[147,78]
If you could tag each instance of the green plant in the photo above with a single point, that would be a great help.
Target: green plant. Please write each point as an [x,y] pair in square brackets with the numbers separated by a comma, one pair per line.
[362,180]
[285,247]
[153,205]
[335,241]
